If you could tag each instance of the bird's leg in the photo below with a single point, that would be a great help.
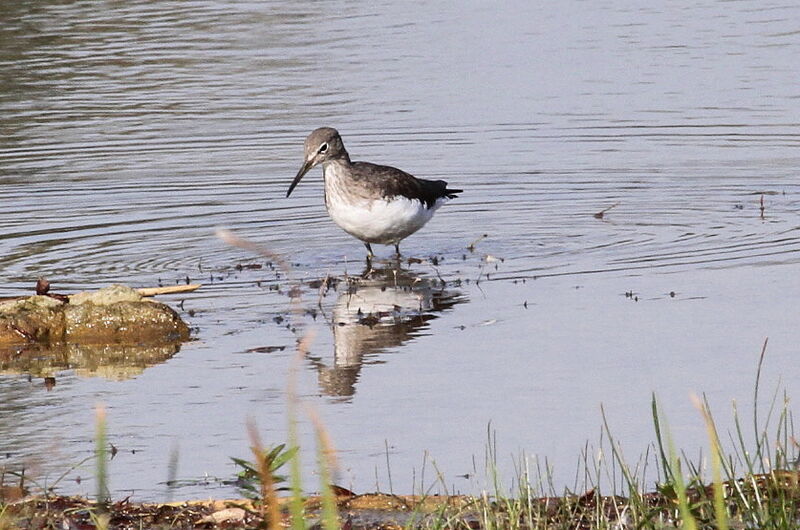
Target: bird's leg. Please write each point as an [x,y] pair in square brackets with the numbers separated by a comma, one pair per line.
[368,270]
[397,250]
[370,255]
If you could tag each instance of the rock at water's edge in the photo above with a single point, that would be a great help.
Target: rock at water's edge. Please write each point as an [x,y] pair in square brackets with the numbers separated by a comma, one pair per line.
[113,315]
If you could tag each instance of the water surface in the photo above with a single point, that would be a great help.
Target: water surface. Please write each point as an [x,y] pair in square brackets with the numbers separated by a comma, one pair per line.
[131,132]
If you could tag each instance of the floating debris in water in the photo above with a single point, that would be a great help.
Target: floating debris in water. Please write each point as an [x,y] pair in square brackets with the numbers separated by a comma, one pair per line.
[632,296]
[601,213]
[248,266]
[265,349]
[471,246]
[369,320]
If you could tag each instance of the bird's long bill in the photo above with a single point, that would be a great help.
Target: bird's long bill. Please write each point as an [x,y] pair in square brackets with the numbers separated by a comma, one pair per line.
[303,170]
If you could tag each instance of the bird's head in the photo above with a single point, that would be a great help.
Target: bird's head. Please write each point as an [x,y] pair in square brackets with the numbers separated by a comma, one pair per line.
[321,145]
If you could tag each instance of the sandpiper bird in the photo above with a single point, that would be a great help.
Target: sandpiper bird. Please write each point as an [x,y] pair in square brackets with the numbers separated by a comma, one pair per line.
[376,204]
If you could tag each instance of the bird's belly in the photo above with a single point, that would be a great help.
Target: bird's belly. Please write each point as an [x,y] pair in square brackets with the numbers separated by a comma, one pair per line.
[383,221]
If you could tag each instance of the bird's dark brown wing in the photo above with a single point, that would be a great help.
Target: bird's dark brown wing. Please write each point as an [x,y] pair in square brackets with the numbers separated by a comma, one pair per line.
[392,182]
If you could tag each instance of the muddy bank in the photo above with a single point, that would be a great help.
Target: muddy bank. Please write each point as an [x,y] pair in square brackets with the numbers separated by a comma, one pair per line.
[385,511]
[368,511]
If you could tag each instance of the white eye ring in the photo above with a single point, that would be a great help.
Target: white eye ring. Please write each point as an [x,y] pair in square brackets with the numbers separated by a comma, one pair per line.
[323,148]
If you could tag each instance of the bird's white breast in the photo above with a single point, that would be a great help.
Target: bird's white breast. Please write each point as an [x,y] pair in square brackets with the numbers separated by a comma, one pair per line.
[373,219]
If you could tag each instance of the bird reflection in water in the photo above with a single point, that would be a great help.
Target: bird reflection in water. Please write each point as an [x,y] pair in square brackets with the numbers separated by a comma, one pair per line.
[383,309]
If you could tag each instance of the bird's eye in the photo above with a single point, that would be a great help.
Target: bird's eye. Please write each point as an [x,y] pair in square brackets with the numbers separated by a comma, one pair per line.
[323,148]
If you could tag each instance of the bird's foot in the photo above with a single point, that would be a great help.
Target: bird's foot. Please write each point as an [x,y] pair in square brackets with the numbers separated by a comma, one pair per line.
[368,271]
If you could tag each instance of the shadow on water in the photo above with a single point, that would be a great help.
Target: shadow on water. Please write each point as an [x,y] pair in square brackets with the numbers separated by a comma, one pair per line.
[385,308]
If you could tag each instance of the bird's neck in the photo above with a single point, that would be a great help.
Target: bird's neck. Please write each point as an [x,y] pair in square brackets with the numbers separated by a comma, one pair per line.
[343,157]
[336,168]
[338,182]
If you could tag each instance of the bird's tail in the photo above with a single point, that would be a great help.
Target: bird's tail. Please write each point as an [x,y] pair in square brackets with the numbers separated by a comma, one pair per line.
[451,194]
